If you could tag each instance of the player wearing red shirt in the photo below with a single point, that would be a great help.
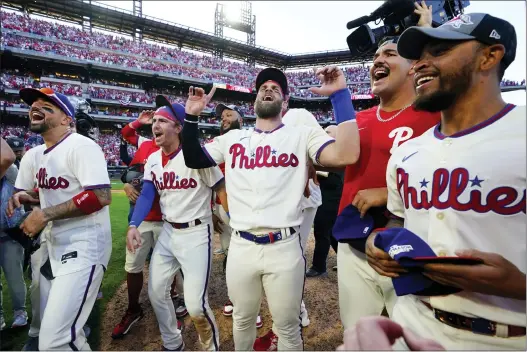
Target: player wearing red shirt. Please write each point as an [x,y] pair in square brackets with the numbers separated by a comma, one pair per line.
[150,228]
[363,292]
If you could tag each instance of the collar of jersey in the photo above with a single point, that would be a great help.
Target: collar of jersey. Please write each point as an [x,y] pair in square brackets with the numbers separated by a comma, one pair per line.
[173,155]
[56,144]
[477,127]
[260,131]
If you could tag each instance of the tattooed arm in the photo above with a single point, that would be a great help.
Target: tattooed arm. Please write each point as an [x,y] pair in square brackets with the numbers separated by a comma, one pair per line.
[68,209]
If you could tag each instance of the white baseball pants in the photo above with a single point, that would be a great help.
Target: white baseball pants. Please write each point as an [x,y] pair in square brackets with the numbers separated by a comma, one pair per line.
[278,269]
[191,250]
[362,292]
[66,303]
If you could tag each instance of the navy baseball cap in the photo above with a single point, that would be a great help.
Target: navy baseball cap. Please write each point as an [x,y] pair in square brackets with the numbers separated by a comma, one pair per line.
[407,248]
[15,143]
[30,95]
[221,107]
[350,228]
[272,74]
[482,27]
[174,112]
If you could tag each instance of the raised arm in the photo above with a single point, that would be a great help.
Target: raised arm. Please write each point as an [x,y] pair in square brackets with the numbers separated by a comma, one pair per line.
[129,132]
[346,149]
[196,157]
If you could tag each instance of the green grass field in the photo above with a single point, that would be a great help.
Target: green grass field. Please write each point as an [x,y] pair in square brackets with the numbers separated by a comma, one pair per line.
[14,339]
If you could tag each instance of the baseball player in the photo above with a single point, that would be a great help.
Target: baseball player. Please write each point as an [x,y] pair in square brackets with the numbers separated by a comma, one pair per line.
[86,126]
[150,228]
[266,170]
[382,128]
[185,241]
[231,119]
[461,192]
[310,202]
[74,195]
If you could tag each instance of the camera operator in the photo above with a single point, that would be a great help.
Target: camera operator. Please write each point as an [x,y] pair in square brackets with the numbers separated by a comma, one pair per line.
[363,292]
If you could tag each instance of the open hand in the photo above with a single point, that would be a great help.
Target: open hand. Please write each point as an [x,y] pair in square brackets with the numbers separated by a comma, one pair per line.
[381,261]
[146,117]
[133,239]
[425,14]
[331,78]
[197,100]
[496,276]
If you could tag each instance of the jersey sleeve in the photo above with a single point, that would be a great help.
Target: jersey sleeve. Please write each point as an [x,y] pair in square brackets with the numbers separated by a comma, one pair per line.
[130,135]
[211,176]
[25,180]
[89,167]
[147,176]
[317,140]
[215,149]
[395,203]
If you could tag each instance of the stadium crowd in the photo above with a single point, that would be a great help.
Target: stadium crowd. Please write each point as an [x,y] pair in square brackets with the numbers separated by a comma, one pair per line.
[177,62]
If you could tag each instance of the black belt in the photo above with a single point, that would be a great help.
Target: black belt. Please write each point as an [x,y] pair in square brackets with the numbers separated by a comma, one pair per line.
[184,225]
[264,239]
[475,325]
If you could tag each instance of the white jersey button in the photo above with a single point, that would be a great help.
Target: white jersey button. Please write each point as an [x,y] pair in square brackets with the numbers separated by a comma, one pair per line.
[440,216]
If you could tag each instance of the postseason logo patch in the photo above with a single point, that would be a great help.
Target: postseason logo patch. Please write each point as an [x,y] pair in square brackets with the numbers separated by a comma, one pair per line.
[67,256]
[396,249]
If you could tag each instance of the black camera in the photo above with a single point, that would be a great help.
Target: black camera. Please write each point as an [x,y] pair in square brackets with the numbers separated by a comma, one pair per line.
[397,15]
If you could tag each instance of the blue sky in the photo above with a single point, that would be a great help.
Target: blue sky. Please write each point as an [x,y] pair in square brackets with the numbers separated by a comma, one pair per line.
[309,26]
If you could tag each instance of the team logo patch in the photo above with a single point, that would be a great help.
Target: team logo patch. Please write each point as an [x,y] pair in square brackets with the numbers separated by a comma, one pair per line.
[396,249]
[70,255]
[457,22]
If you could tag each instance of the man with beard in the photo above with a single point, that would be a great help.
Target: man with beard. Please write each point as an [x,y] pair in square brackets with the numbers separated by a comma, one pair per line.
[74,195]
[460,188]
[383,128]
[231,119]
[266,171]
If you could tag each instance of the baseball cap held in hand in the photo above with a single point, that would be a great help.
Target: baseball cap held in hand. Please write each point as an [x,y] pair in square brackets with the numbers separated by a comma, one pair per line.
[407,249]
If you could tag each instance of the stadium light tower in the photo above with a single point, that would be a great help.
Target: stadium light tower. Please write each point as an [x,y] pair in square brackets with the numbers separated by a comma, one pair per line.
[239,19]
[138,11]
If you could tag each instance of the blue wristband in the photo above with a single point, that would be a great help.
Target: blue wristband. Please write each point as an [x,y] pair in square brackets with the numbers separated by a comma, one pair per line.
[342,105]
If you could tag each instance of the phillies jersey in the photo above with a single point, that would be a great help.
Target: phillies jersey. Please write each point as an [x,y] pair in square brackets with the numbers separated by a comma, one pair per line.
[378,140]
[184,194]
[266,173]
[467,191]
[73,165]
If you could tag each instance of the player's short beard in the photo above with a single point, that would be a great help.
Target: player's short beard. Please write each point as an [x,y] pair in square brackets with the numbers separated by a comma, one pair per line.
[41,128]
[451,87]
[235,125]
[267,110]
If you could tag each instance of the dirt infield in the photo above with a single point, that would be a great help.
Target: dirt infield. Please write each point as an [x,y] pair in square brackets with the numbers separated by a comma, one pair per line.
[321,298]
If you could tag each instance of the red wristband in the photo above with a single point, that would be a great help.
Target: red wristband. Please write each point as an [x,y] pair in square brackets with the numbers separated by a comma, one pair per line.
[87,202]
[136,124]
